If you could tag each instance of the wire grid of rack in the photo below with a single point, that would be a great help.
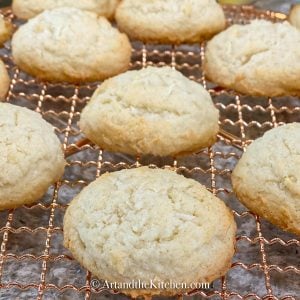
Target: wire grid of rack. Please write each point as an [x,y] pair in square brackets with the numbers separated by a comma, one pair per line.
[33,262]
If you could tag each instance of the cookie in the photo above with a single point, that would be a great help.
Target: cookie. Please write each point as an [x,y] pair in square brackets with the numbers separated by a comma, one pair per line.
[267,178]
[170,21]
[26,9]
[71,45]
[294,16]
[6,29]
[31,156]
[151,111]
[259,59]
[150,224]
[4,81]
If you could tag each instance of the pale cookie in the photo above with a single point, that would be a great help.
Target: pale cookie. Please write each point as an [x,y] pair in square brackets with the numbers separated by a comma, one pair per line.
[260,59]
[31,156]
[294,16]
[267,178]
[26,9]
[4,81]
[150,224]
[151,111]
[170,21]
[68,44]
[6,30]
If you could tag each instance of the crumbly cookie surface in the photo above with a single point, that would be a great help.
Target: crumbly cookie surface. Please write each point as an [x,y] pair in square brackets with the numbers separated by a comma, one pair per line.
[260,59]
[151,111]
[68,44]
[26,9]
[169,21]
[31,156]
[4,81]
[267,177]
[150,224]
[6,30]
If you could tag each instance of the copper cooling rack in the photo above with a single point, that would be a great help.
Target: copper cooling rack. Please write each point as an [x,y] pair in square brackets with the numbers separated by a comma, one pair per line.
[33,262]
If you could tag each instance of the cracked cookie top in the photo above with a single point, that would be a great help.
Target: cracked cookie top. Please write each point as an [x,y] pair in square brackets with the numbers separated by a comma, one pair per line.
[151,111]
[72,45]
[267,177]
[260,59]
[150,224]
[170,21]
[31,156]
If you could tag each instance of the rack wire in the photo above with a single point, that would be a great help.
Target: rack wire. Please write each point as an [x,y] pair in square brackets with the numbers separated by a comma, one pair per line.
[33,262]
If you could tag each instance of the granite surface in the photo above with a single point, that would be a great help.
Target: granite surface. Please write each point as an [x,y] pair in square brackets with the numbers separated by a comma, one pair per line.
[246,278]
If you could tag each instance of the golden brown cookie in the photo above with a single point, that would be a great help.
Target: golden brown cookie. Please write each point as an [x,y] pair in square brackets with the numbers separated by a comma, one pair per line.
[151,111]
[26,9]
[6,30]
[267,178]
[68,44]
[4,81]
[170,21]
[127,226]
[31,156]
[260,59]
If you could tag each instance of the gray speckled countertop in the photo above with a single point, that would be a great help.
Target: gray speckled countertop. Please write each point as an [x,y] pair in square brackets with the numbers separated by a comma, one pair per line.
[27,272]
